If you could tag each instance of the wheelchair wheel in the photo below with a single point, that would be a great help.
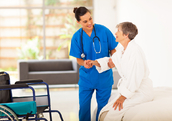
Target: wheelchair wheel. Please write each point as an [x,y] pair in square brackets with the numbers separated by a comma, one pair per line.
[7,114]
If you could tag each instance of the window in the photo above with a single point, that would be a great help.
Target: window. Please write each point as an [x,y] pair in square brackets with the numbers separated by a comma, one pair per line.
[36,29]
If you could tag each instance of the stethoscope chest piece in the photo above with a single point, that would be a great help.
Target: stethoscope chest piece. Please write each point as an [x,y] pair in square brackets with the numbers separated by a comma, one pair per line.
[82,55]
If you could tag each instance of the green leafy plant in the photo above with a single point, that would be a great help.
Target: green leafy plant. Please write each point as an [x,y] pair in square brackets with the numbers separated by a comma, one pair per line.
[30,50]
[8,69]
[71,27]
[51,2]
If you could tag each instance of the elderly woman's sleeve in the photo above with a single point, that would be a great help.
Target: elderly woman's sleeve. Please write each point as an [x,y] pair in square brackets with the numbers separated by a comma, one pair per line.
[103,64]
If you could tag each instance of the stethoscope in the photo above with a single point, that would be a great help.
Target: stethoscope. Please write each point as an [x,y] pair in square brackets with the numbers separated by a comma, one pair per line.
[83,55]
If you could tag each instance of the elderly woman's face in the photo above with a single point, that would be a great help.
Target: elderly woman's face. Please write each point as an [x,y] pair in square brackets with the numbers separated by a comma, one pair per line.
[119,35]
[86,21]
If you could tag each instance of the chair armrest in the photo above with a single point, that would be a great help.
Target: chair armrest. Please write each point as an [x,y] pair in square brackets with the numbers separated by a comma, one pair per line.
[23,69]
[76,67]
[74,64]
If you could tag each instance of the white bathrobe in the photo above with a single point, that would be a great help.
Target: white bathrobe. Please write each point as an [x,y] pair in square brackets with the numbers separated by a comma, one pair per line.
[134,84]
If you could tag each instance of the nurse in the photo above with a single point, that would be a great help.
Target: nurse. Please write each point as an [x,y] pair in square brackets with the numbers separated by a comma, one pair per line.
[91,42]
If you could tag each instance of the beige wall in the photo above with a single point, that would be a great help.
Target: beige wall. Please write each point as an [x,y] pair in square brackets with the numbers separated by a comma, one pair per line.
[153,19]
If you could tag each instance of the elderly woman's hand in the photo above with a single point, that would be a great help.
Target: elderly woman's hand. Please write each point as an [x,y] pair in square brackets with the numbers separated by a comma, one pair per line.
[110,63]
[119,103]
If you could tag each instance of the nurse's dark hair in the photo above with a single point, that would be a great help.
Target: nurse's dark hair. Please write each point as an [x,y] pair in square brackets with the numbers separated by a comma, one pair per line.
[129,29]
[80,12]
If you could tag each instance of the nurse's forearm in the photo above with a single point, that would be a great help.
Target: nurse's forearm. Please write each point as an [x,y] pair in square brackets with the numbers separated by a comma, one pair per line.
[80,61]
[86,63]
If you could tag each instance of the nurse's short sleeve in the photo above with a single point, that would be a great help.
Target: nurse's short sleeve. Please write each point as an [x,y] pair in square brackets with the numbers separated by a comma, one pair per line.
[112,44]
[75,48]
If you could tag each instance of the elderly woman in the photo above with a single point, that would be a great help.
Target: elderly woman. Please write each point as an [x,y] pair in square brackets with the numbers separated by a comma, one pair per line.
[134,87]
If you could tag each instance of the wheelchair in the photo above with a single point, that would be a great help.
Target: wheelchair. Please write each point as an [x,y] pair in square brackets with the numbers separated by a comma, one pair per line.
[24,108]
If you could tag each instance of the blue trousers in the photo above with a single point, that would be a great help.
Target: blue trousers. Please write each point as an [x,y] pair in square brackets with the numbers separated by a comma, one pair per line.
[85,95]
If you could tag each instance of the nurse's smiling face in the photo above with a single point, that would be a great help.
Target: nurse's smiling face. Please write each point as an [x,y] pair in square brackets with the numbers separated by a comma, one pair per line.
[86,22]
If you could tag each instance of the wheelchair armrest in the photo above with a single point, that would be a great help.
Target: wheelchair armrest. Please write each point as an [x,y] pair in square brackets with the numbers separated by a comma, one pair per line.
[18,86]
[13,86]
[29,81]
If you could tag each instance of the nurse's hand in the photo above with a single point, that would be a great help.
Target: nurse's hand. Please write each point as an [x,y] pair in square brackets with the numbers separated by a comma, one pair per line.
[119,103]
[110,63]
[87,64]
[96,63]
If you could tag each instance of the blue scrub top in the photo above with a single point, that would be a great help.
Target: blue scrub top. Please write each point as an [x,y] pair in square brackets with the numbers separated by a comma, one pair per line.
[90,77]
